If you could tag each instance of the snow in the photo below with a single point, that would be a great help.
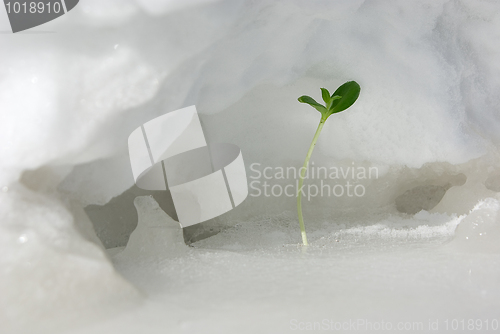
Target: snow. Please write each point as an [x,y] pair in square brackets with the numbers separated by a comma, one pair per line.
[396,271]
[480,230]
[72,90]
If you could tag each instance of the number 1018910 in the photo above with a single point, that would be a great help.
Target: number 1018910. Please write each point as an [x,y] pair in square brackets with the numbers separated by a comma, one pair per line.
[33,7]
[471,324]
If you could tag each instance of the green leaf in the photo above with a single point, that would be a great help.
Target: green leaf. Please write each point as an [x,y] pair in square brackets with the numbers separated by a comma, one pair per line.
[349,93]
[325,94]
[310,101]
[336,97]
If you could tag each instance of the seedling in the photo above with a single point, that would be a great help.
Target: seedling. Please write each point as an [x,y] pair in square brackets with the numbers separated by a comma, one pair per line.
[340,100]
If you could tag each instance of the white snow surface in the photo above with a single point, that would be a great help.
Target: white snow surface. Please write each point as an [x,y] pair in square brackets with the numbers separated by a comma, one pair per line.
[72,90]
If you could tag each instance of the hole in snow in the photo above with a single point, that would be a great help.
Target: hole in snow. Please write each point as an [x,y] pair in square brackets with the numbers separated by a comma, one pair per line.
[426,197]
[114,221]
[493,182]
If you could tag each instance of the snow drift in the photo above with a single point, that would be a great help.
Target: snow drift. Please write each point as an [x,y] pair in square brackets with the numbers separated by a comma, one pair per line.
[70,95]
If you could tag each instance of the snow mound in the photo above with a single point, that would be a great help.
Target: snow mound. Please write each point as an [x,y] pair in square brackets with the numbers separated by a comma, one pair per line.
[480,230]
[156,236]
[72,92]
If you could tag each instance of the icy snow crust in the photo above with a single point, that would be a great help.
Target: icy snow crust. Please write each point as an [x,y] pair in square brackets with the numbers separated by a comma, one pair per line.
[71,91]
[253,278]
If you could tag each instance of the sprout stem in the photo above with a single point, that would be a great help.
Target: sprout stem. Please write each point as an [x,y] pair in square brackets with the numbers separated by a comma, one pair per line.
[301,179]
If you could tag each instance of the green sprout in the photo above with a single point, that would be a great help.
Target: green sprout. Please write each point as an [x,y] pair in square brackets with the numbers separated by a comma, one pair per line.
[340,100]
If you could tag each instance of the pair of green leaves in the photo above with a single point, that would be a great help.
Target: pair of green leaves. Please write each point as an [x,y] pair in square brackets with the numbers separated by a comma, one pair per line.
[340,100]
